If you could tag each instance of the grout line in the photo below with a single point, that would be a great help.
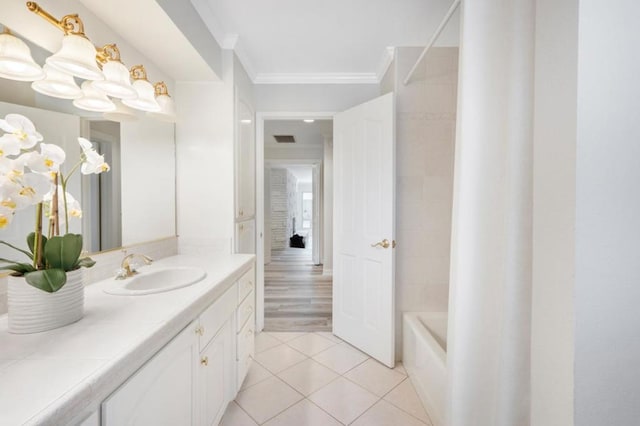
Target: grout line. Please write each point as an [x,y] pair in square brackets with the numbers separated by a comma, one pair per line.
[325,411]
[289,406]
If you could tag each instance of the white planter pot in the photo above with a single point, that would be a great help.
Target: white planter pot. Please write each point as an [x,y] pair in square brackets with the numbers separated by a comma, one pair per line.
[32,310]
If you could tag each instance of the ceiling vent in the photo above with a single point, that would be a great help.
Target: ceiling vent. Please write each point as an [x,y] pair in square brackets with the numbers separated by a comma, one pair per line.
[284,138]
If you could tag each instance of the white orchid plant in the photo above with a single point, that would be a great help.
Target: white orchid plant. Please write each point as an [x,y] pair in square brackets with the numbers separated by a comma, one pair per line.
[31,175]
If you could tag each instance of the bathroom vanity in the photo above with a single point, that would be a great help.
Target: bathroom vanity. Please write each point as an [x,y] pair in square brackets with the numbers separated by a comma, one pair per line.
[176,357]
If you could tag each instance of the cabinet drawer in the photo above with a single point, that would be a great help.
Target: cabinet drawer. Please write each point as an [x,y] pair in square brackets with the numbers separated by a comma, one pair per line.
[246,339]
[245,310]
[216,315]
[242,369]
[246,283]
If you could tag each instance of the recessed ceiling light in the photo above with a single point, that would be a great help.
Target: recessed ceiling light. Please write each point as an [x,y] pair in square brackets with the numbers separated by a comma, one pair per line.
[245,121]
[308,120]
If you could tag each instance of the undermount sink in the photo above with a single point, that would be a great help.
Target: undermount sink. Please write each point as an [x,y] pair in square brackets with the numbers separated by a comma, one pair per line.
[157,280]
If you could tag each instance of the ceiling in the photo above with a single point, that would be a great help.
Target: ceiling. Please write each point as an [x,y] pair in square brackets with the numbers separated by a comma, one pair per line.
[329,41]
[306,134]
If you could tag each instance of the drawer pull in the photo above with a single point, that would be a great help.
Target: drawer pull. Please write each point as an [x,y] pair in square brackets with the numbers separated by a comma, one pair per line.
[241,227]
[241,212]
[200,330]
[204,361]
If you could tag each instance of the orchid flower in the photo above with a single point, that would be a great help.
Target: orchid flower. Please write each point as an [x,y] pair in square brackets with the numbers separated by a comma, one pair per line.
[72,208]
[6,215]
[48,160]
[9,146]
[21,130]
[92,162]
[29,190]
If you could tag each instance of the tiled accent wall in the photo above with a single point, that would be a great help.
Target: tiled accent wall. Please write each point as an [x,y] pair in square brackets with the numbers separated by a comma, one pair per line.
[425,141]
[283,207]
[108,263]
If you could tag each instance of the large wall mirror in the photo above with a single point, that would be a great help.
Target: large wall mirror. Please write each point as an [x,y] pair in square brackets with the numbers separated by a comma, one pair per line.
[134,202]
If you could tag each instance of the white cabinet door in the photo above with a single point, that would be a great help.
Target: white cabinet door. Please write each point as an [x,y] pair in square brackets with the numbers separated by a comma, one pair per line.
[217,378]
[246,237]
[245,162]
[162,392]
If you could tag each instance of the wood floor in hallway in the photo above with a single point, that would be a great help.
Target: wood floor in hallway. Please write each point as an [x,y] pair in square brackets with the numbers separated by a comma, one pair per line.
[297,296]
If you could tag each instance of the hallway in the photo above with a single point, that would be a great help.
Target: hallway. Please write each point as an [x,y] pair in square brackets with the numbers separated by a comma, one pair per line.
[297,296]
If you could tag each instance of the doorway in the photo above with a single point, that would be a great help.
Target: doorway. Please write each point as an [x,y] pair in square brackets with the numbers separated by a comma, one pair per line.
[294,292]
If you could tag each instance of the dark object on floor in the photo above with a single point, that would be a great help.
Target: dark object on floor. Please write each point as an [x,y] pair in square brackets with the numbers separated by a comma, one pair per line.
[296,241]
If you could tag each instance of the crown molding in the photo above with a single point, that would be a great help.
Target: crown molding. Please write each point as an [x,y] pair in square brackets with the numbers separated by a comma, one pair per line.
[316,78]
[244,59]
[210,20]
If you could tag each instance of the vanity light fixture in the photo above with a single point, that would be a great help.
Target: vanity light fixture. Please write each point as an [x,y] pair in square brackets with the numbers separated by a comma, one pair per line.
[308,120]
[146,100]
[16,62]
[57,84]
[167,108]
[77,56]
[121,113]
[116,81]
[93,99]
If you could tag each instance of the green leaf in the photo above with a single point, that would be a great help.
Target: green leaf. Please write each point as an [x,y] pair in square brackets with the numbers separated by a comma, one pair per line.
[31,238]
[49,280]
[63,252]
[85,262]
[20,268]
[26,253]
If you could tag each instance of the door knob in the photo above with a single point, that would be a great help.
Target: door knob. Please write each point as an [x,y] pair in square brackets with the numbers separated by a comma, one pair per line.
[384,244]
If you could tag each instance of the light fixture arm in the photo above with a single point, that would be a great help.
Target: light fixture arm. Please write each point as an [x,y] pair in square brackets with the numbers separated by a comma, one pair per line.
[138,73]
[108,52]
[161,89]
[70,24]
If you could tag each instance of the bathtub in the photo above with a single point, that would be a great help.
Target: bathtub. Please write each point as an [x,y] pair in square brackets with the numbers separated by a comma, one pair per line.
[424,353]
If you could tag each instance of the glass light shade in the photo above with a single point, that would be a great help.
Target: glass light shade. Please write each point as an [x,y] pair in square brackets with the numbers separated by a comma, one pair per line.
[116,81]
[121,113]
[146,100]
[16,62]
[167,109]
[93,99]
[77,57]
[57,84]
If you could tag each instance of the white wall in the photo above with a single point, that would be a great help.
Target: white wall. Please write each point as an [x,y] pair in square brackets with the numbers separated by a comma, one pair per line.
[607,290]
[327,206]
[554,201]
[312,97]
[425,141]
[204,163]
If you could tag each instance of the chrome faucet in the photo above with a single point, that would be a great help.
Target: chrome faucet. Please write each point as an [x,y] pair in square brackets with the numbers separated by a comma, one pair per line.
[127,269]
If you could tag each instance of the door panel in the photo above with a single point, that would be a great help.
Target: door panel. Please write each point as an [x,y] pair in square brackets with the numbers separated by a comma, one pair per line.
[364,214]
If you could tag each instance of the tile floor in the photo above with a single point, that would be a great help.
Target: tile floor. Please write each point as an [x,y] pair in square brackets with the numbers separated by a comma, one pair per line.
[316,379]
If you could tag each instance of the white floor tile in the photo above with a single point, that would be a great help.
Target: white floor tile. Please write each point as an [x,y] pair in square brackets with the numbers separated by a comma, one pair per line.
[285,336]
[235,416]
[265,341]
[279,358]
[267,399]
[310,344]
[304,413]
[375,377]
[330,336]
[341,358]
[385,414]
[307,376]
[256,374]
[404,396]
[343,399]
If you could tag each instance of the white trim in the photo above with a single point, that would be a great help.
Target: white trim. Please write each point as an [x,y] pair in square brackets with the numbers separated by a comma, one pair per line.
[244,59]
[316,78]
[260,119]
[386,61]
[210,20]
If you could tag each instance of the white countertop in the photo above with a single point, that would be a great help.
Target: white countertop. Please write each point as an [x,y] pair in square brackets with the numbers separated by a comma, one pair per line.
[55,376]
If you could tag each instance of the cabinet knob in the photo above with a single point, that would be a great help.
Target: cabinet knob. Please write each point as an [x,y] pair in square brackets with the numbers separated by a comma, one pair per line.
[200,330]
[241,212]
[204,360]
[241,227]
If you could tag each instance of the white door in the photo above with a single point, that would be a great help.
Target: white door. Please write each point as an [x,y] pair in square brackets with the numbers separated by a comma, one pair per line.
[364,227]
